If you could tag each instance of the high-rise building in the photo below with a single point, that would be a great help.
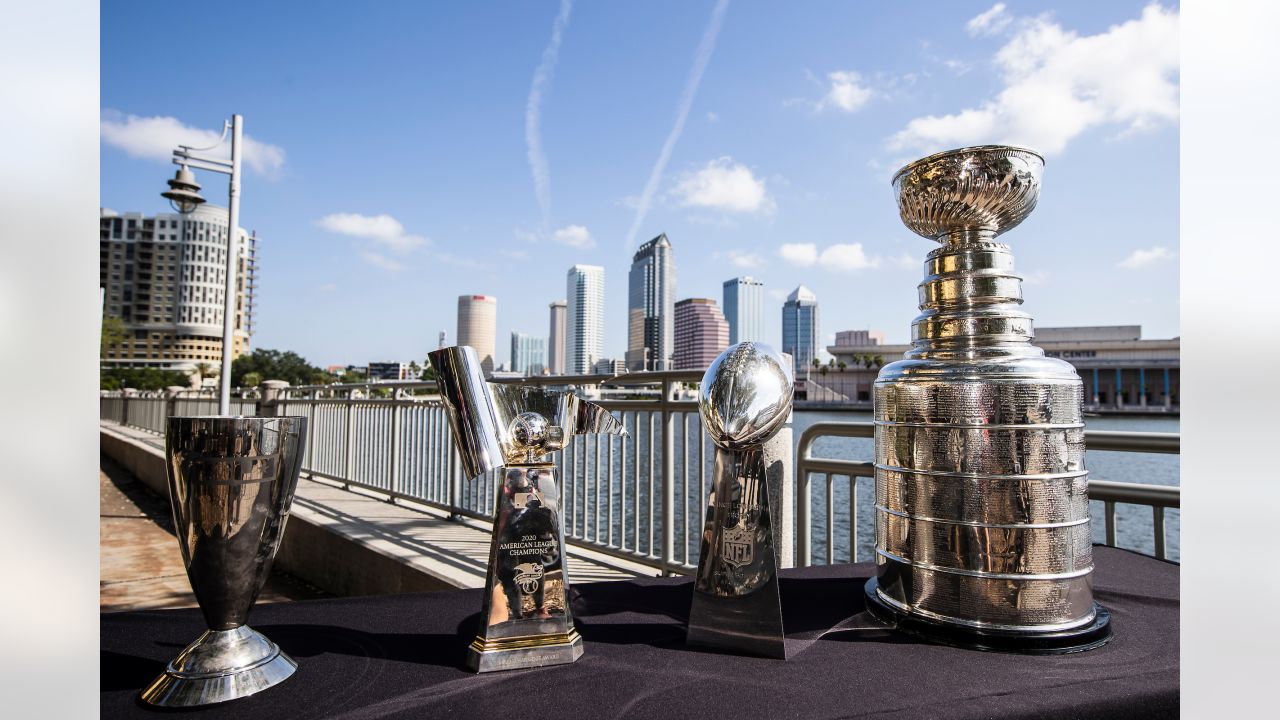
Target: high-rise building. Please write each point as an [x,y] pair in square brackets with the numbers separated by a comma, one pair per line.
[477,326]
[859,338]
[164,276]
[584,318]
[701,334]
[800,335]
[556,340]
[609,366]
[528,354]
[651,306]
[744,309]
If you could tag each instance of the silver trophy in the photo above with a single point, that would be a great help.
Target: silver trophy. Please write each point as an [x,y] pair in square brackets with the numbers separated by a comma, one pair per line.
[744,400]
[231,482]
[525,619]
[982,505]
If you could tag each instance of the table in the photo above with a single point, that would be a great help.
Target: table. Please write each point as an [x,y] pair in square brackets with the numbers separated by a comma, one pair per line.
[401,656]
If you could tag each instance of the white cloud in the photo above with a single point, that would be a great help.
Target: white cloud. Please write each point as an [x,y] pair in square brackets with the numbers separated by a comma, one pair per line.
[382,261]
[701,58]
[802,254]
[847,258]
[1143,258]
[383,230]
[990,22]
[907,261]
[533,113]
[155,138]
[1058,84]
[724,185]
[777,294]
[712,117]
[741,259]
[847,92]
[328,287]
[574,236]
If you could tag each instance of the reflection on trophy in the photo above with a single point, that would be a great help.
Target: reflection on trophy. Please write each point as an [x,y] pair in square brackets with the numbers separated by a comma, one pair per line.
[744,400]
[526,620]
[982,506]
[231,482]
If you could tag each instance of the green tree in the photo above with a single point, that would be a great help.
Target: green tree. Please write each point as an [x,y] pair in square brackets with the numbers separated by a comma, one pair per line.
[868,360]
[428,372]
[112,333]
[141,378]
[251,379]
[842,365]
[276,365]
[878,360]
[817,363]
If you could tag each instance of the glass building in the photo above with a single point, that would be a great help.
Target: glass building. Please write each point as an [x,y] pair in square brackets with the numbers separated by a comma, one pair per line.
[800,334]
[744,309]
[651,306]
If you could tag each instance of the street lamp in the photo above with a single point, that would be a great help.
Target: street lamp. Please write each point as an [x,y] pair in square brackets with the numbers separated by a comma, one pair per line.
[184,195]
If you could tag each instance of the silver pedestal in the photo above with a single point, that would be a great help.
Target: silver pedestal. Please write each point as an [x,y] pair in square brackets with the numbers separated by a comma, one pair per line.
[231,482]
[982,507]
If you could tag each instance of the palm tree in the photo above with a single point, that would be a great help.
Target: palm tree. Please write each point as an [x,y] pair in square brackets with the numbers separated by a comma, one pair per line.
[879,360]
[207,370]
[842,366]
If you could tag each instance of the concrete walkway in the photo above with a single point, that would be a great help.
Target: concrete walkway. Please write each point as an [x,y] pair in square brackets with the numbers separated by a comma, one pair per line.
[139,562]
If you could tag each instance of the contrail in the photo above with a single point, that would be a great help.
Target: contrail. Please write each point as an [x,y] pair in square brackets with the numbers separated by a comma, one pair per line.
[533,113]
[705,48]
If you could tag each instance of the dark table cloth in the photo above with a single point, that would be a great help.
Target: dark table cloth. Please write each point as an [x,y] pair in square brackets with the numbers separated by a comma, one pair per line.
[401,656]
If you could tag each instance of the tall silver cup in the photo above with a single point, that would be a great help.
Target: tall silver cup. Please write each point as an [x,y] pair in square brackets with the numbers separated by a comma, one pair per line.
[231,482]
[982,504]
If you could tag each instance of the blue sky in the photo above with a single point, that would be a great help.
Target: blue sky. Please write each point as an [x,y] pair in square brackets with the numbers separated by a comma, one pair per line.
[405,153]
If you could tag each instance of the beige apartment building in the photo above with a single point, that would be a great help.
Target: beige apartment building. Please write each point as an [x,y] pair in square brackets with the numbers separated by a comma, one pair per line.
[164,277]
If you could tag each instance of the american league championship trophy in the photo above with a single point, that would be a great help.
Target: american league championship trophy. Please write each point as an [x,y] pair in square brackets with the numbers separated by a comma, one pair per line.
[982,505]
[745,398]
[525,620]
[231,482]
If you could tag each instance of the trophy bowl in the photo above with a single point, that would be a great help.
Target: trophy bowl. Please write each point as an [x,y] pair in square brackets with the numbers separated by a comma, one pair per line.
[745,395]
[984,190]
[231,483]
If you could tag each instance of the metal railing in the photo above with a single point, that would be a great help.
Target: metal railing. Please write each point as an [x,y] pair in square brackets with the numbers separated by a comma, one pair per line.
[392,438]
[1109,493]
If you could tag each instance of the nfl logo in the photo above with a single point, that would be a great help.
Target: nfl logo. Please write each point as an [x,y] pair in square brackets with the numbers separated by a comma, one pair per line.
[738,546]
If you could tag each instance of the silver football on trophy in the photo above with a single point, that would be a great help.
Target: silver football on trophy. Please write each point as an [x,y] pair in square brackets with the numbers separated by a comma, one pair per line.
[745,395]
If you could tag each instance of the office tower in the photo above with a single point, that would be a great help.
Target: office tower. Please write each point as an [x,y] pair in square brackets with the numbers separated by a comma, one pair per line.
[584,318]
[477,326]
[701,333]
[744,309]
[651,306]
[556,340]
[528,354]
[608,366]
[800,336]
[164,276]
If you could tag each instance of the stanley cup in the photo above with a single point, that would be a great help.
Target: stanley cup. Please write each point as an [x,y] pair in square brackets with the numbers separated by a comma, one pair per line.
[745,398]
[525,619]
[231,482]
[982,506]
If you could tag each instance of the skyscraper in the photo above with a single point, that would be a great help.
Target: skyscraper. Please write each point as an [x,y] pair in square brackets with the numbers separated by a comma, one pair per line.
[800,336]
[701,334]
[556,340]
[651,306]
[164,276]
[528,354]
[744,309]
[477,326]
[584,318]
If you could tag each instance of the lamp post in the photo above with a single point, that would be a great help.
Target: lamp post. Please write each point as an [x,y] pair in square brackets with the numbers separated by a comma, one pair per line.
[184,195]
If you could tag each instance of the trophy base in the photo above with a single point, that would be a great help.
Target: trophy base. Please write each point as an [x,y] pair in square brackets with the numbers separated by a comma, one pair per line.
[515,653]
[1092,635]
[220,665]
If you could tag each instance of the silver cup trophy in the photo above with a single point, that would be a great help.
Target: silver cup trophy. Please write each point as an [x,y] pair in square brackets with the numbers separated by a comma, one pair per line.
[525,619]
[982,505]
[745,398]
[231,482]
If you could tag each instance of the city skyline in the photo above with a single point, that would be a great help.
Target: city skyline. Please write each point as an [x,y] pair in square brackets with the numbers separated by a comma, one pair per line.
[776,163]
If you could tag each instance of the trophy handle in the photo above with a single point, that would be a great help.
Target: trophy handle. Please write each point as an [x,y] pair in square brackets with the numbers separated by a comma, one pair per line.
[736,601]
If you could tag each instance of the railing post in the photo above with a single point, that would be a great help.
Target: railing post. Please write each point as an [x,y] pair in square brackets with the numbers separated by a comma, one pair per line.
[348,457]
[125,394]
[394,465]
[170,402]
[272,392]
[668,479]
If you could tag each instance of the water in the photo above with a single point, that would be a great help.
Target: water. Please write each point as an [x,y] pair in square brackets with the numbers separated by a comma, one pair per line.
[1133,522]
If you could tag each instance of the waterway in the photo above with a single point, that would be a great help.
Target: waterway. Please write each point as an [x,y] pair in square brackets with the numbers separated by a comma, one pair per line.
[1133,522]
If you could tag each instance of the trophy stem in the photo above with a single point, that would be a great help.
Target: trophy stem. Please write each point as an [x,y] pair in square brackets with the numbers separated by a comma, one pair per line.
[525,620]
[736,600]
